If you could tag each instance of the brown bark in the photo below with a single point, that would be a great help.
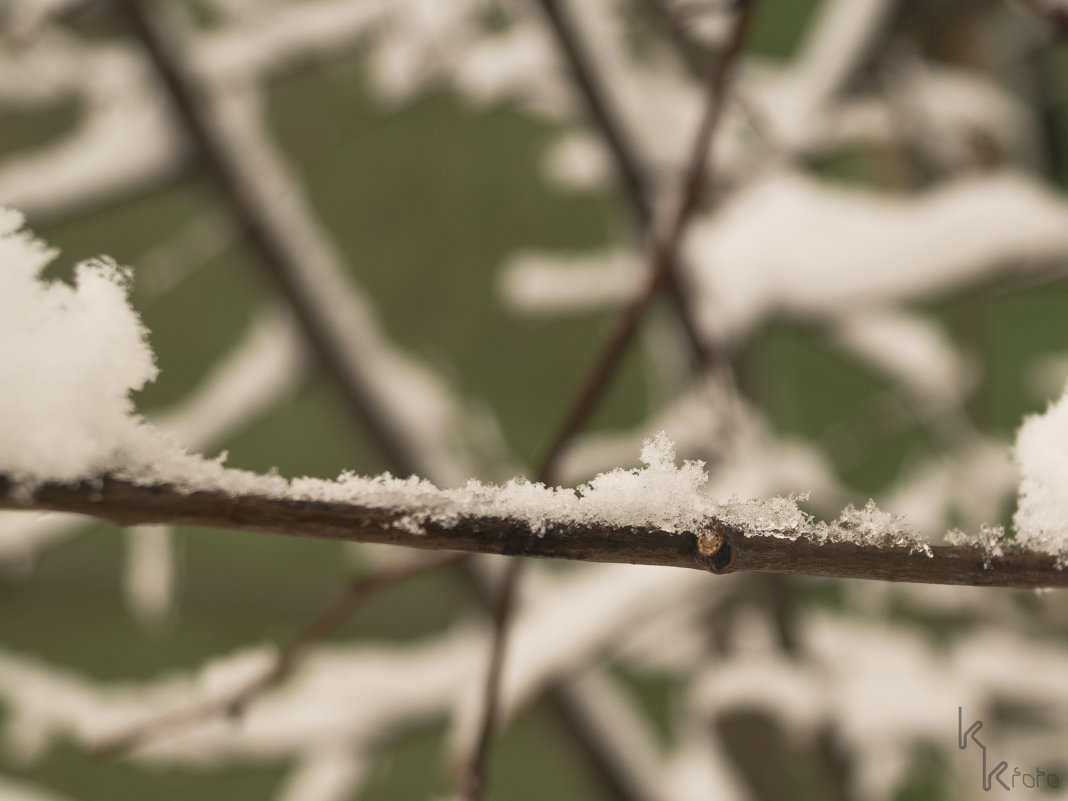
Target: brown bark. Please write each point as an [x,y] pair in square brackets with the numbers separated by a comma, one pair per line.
[718,548]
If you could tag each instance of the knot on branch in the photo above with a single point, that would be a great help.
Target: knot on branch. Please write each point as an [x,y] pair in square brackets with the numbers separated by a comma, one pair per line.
[712,545]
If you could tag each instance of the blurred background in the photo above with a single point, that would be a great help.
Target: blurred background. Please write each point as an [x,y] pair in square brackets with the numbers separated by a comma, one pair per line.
[440,159]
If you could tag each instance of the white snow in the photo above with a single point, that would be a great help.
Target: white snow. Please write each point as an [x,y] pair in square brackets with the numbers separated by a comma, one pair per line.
[532,282]
[990,539]
[149,574]
[782,517]
[1042,454]
[660,495]
[69,357]
[795,246]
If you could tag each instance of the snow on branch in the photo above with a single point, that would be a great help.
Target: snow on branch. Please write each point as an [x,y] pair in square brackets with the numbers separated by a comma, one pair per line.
[852,547]
[71,441]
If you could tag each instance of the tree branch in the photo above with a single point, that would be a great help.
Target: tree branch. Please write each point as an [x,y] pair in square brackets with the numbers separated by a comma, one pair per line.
[632,173]
[719,547]
[633,181]
[473,780]
[694,55]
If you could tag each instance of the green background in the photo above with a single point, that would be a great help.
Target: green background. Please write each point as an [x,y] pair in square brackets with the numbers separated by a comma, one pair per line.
[425,202]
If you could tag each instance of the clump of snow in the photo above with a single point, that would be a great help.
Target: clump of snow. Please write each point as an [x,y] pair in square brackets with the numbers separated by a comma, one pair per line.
[670,494]
[660,495]
[1042,455]
[69,357]
[990,540]
[778,517]
[871,526]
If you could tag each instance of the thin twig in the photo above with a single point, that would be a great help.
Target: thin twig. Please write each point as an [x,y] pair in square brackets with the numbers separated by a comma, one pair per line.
[472,783]
[633,175]
[599,757]
[125,503]
[665,251]
[277,257]
[662,274]
[604,118]
[693,53]
[783,606]
[236,703]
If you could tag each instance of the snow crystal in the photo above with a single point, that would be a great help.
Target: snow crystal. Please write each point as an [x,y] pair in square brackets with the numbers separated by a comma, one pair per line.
[660,495]
[782,517]
[989,540]
[1042,454]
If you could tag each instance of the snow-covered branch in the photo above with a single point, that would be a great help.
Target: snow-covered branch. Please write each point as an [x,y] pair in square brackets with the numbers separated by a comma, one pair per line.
[859,545]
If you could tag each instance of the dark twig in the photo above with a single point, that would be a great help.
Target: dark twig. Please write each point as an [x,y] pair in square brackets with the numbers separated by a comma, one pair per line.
[779,592]
[717,547]
[665,251]
[127,504]
[604,118]
[237,702]
[567,713]
[695,56]
[277,256]
[473,781]
[633,175]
